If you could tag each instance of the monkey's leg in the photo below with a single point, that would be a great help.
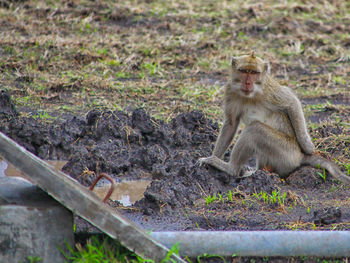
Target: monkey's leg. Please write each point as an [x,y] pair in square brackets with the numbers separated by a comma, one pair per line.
[269,147]
[242,151]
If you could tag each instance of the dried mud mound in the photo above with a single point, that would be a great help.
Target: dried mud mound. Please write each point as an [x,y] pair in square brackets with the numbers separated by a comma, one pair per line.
[131,146]
[48,141]
[136,146]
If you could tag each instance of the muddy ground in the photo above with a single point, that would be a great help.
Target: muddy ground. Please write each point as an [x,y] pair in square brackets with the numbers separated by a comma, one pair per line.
[132,145]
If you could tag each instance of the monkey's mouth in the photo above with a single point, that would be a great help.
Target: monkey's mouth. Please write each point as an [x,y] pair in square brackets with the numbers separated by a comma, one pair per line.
[247,92]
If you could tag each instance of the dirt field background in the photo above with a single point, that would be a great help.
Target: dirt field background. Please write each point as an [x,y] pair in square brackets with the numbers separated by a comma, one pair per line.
[134,89]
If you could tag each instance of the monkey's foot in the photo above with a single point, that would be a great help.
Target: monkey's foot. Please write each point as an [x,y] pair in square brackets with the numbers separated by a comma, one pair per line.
[217,163]
[205,160]
[247,171]
[307,146]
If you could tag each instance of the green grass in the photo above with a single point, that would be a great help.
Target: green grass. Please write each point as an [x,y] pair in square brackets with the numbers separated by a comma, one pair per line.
[98,48]
[107,250]
[34,259]
[275,198]
[210,199]
[347,167]
[322,175]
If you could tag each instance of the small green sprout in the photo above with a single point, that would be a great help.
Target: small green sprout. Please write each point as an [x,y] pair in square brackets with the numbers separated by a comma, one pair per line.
[282,198]
[257,195]
[122,74]
[264,196]
[209,199]
[347,167]
[34,259]
[273,196]
[230,197]
[322,175]
[173,250]
[210,256]
[221,198]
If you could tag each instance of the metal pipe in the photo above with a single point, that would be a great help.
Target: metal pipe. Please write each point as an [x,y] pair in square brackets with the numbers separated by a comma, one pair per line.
[258,243]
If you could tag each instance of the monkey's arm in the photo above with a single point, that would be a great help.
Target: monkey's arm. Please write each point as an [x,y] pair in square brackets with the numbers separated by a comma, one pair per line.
[297,119]
[226,135]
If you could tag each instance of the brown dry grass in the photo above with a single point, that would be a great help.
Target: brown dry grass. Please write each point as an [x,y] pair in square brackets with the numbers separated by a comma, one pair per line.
[173,56]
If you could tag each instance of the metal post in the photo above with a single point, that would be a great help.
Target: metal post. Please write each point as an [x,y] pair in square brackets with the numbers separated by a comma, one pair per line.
[259,243]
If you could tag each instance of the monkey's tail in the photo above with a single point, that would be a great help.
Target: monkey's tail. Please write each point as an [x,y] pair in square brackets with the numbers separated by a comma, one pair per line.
[319,162]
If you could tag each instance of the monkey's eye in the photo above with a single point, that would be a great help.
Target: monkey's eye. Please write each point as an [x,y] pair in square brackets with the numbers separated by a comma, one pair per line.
[248,71]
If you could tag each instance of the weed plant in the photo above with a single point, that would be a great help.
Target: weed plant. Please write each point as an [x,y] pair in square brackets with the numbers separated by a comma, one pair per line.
[275,198]
[107,250]
[322,175]
[211,198]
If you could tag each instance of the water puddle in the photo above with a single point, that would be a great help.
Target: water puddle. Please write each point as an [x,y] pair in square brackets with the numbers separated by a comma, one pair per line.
[126,192]
[7,169]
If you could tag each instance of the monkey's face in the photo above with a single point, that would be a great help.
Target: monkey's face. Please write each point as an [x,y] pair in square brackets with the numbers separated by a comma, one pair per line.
[249,82]
[247,75]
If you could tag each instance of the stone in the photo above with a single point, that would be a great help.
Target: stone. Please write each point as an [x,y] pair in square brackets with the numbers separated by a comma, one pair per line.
[32,223]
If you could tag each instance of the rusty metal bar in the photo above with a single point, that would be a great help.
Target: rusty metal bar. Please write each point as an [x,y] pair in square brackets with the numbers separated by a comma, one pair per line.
[111,189]
[81,201]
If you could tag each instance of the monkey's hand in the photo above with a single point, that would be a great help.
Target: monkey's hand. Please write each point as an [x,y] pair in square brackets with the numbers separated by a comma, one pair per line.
[307,146]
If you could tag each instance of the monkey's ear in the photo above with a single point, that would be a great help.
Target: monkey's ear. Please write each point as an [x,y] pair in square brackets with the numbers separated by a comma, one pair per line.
[233,62]
[267,67]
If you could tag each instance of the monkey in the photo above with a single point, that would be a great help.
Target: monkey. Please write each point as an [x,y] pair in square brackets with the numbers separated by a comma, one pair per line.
[275,132]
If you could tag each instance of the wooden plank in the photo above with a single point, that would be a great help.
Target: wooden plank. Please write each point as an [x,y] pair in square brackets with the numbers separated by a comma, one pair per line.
[82,202]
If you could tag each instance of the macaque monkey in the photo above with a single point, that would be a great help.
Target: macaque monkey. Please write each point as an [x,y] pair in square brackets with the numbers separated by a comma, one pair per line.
[275,131]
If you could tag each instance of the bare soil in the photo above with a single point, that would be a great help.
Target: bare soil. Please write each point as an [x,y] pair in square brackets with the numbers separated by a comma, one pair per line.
[136,146]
